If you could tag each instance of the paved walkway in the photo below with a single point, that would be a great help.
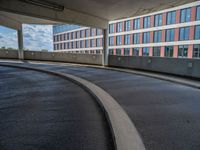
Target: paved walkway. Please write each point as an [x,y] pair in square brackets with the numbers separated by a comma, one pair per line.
[44,112]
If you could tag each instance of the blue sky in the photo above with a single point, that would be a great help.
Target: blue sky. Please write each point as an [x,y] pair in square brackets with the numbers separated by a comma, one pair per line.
[36,37]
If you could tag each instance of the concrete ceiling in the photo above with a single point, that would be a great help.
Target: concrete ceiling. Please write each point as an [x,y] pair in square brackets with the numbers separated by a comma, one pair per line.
[95,13]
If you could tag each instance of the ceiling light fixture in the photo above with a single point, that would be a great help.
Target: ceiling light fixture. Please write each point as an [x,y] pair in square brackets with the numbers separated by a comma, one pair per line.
[45,4]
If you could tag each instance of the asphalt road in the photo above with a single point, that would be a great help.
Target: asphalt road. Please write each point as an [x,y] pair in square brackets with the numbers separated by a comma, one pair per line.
[44,112]
[166,114]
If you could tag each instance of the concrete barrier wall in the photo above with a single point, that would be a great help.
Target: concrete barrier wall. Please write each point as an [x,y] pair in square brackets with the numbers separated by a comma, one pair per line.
[9,54]
[94,59]
[183,67]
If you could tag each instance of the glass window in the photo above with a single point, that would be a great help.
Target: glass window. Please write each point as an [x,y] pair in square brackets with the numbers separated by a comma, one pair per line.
[171,17]
[169,50]
[72,35]
[183,51]
[145,51]
[77,34]
[135,52]
[127,39]
[170,35]
[119,40]
[147,22]
[198,13]
[64,37]
[111,51]
[111,28]
[82,33]
[146,37]
[93,32]
[196,51]
[87,33]
[92,43]
[157,36]
[68,45]
[185,15]
[127,26]
[118,51]
[86,43]
[136,38]
[111,41]
[68,36]
[184,33]
[98,42]
[126,51]
[197,32]
[99,31]
[81,44]
[137,24]
[158,20]
[119,27]
[156,51]
[72,44]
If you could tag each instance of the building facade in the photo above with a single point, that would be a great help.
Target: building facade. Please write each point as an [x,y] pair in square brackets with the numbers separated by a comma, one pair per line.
[173,32]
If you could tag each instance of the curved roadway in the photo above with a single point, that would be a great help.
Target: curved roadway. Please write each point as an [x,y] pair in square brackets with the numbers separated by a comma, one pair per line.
[166,114]
[44,112]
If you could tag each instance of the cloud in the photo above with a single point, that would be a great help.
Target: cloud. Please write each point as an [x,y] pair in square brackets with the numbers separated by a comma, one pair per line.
[36,37]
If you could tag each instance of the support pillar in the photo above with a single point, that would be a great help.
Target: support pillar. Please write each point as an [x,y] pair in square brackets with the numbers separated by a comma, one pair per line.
[105,48]
[20,44]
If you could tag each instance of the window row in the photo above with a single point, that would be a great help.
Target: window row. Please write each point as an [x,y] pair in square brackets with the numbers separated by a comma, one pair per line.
[168,52]
[184,34]
[77,34]
[85,52]
[79,44]
[171,18]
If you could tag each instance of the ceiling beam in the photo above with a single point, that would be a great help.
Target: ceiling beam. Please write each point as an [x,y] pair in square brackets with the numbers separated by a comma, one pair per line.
[65,16]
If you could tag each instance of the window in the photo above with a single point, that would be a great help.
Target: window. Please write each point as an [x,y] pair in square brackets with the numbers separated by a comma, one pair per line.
[98,42]
[197,32]
[77,34]
[68,36]
[92,43]
[171,17]
[157,36]
[99,31]
[72,35]
[119,27]
[136,38]
[147,23]
[198,13]
[64,37]
[82,33]
[146,37]
[169,50]
[111,28]
[145,51]
[135,51]
[54,39]
[156,51]
[126,51]
[183,51]
[119,40]
[185,15]
[87,33]
[184,33]
[68,45]
[93,32]
[81,44]
[118,51]
[87,43]
[77,44]
[111,51]
[170,35]
[127,26]
[137,24]
[196,51]
[111,41]
[158,20]
[127,39]
[72,44]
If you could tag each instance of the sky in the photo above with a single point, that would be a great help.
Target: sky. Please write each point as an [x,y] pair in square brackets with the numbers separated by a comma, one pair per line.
[36,37]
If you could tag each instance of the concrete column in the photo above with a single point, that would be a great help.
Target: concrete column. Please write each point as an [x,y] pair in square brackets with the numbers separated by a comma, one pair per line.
[20,44]
[105,48]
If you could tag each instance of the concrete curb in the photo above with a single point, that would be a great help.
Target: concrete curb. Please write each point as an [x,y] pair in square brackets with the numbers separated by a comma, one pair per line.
[125,135]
